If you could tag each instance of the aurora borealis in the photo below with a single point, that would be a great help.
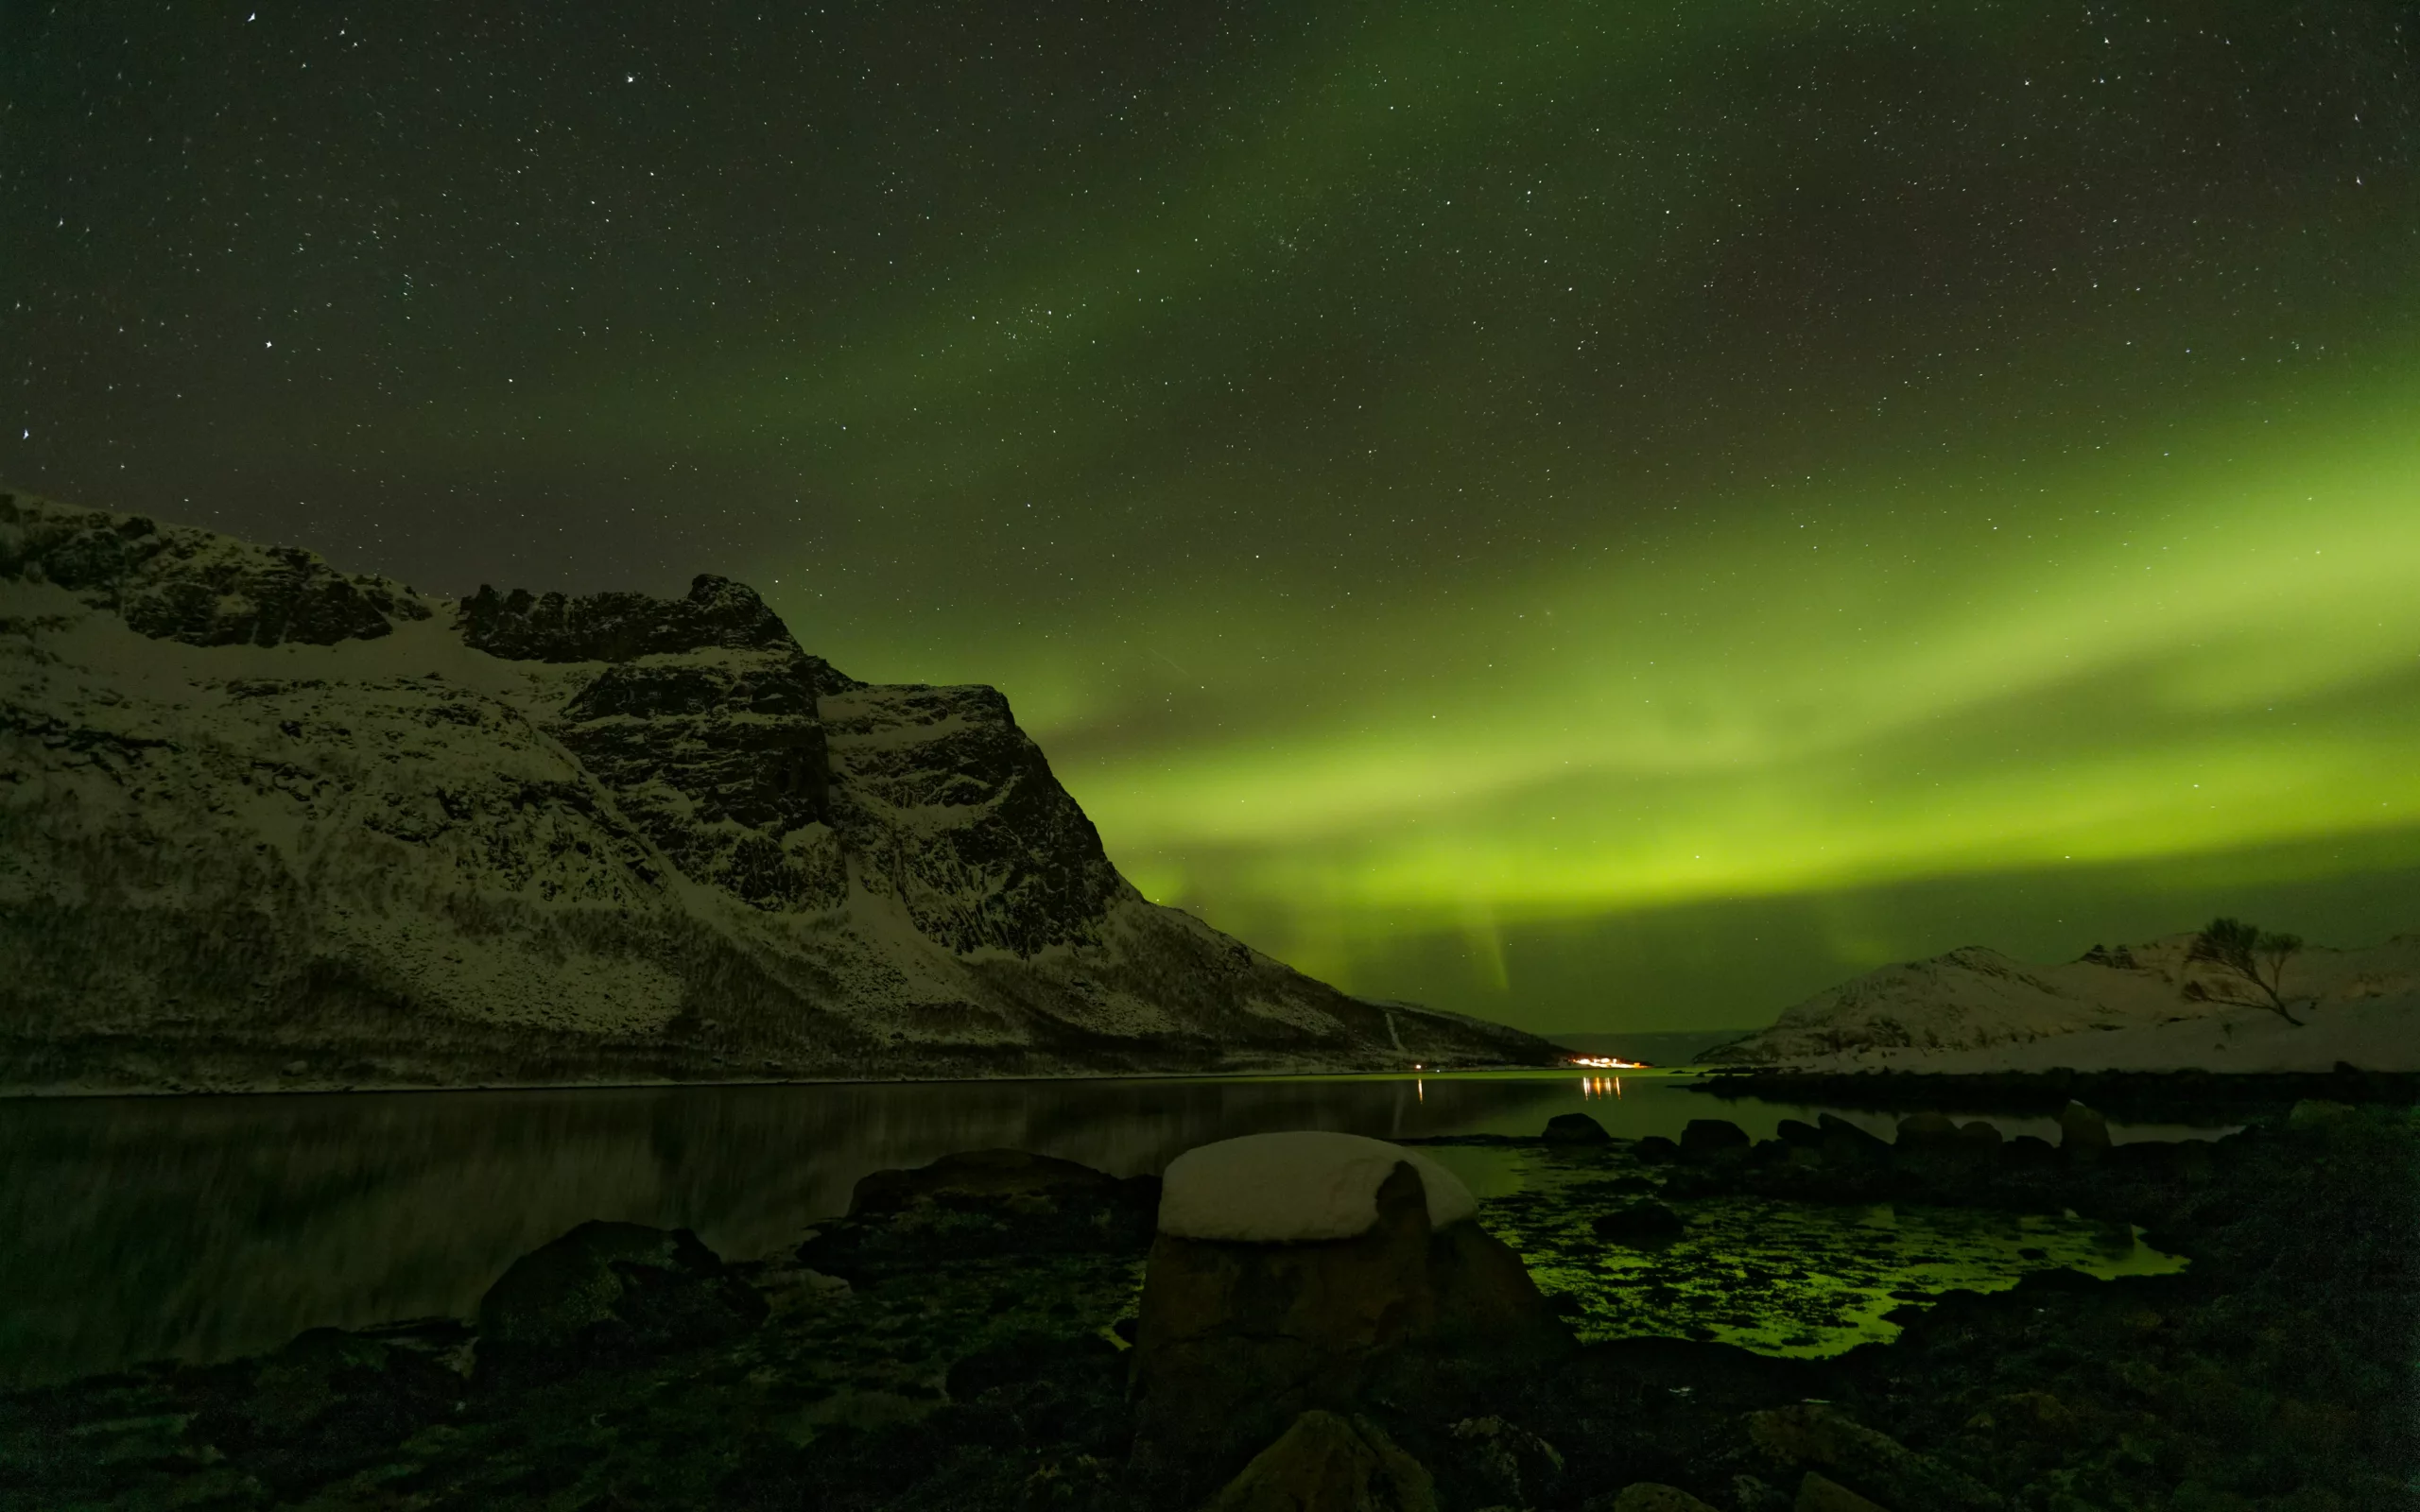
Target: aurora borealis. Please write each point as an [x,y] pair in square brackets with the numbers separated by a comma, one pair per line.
[1605,516]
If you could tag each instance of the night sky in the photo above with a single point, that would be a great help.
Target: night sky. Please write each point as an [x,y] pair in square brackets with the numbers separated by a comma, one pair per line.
[1608,516]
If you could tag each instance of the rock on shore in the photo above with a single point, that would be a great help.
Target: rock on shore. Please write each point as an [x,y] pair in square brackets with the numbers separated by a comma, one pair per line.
[1363,1274]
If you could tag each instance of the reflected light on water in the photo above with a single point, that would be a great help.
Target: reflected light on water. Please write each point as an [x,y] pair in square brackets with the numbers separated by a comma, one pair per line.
[207,1228]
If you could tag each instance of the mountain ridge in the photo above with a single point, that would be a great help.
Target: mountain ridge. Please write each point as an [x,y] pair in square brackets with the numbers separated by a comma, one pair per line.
[2150,1006]
[264,823]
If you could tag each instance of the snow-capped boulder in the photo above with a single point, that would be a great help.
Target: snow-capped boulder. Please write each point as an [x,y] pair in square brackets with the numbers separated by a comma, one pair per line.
[1294,1187]
[1295,1272]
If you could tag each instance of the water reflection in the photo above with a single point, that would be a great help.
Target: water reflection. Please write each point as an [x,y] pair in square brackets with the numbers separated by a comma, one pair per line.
[133,1228]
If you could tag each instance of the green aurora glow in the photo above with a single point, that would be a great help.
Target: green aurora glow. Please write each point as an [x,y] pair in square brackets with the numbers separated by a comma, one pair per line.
[1601,516]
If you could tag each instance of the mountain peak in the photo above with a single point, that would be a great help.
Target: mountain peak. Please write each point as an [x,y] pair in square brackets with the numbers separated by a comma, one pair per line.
[177,583]
[621,626]
[558,838]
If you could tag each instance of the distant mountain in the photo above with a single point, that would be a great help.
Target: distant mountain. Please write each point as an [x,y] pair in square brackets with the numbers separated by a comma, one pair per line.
[1655,1047]
[2145,1007]
[265,823]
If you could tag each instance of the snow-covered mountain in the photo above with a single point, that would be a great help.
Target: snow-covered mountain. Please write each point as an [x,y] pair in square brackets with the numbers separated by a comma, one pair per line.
[2141,1007]
[265,823]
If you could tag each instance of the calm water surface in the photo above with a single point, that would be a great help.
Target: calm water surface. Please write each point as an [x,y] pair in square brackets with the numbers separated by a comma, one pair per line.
[205,1227]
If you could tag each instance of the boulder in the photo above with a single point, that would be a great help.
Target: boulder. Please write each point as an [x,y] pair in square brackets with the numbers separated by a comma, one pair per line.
[1844,1144]
[2082,1132]
[1706,1138]
[1640,1220]
[1645,1496]
[331,1401]
[1297,1272]
[1656,1150]
[1507,1463]
[1926,1131]
[1935,1148]
[1002,1202]
[1007,1176]
[1816,1494]
[1981,1136]
[2030,1151]
[1324,1461]
[619,1289]
[1813,1436]
[1792,1132]
[1751,1494]
[1575,1128]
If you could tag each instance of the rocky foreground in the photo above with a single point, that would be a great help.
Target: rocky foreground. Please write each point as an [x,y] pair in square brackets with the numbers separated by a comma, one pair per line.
[265,824]
[1001,1330]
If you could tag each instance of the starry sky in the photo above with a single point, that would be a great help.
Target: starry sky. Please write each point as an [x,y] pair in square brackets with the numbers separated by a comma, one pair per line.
[1610,516]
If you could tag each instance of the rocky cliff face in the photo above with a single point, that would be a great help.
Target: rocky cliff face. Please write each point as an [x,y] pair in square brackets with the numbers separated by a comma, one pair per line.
[262,822]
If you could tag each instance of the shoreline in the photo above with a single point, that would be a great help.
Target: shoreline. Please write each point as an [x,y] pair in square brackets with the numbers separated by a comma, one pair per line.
[9,1095]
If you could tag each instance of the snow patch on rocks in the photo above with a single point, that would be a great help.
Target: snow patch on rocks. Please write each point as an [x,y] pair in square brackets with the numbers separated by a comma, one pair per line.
[1296,1187]
[2138,1008]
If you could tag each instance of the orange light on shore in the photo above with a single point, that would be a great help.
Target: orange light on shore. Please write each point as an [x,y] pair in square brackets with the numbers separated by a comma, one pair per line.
[1608,1063]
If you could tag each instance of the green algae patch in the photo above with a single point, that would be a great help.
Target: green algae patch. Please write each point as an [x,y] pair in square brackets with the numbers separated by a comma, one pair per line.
[1779,1278]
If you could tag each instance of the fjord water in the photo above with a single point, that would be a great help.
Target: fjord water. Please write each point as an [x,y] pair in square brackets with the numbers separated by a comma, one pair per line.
[206,1227]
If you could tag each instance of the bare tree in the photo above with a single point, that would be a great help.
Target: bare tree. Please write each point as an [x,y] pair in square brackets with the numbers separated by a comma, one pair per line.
[2252,956]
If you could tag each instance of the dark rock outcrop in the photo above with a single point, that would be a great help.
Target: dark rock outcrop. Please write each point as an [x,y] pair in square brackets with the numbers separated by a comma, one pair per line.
[524,627]
[725,769]
[612,1290]
[1705,1138]
[979,1177]
[767,772]
[1844,1144]
[175,583]
[958,816]
[1503,1464]
[2081,1130]
[329,1401]
[1575,1128]
[721,759]
[1328,1460]
[995,1202]
[1926,1131]
[1819,1493]
[1814,1436]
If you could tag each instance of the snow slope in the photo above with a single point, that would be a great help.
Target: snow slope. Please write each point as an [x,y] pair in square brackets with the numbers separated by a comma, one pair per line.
[264,823]
[2127,1010]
